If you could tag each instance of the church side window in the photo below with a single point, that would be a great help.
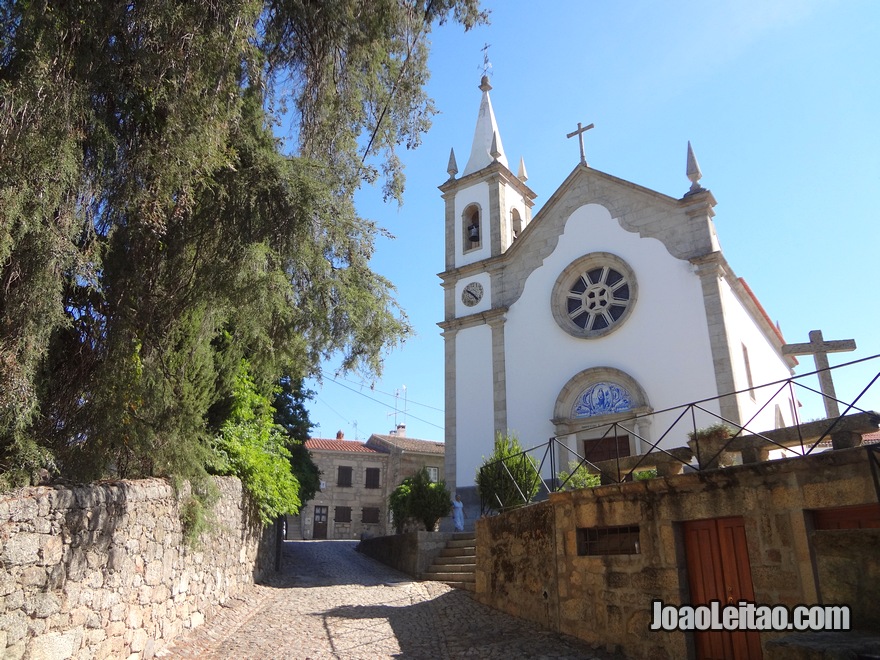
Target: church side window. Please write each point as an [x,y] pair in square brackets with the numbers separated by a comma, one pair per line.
[472,230]
[749,372]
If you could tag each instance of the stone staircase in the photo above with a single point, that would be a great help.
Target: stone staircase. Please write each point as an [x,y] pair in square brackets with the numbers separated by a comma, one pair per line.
[456,565]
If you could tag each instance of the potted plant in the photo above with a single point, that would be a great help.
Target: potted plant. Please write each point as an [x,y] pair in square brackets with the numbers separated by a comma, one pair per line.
[708,445]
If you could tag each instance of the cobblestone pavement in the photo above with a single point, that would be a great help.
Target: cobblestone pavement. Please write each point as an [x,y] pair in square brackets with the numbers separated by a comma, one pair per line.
[332,602]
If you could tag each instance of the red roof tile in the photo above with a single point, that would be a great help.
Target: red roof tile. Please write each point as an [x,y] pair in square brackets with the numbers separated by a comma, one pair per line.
[339,445]
[412,444]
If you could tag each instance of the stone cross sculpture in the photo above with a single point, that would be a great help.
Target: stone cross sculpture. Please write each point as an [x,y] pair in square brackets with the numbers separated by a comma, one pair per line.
[819,349]
[580,133]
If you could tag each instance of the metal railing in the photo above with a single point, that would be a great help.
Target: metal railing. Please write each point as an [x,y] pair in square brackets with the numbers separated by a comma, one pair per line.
[517,479]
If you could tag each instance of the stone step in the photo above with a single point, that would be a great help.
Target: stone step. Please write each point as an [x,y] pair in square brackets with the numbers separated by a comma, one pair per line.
[461,543]
[451,577]
[458,552]
[455,559]
[451,568]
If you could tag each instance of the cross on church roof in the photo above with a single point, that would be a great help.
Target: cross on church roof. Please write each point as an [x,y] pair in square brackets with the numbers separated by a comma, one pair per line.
[819,349]
[580,133]
[487,65]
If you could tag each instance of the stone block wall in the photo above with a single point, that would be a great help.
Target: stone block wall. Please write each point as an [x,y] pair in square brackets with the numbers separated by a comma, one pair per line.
[411,553]
[102,571]
[528,562]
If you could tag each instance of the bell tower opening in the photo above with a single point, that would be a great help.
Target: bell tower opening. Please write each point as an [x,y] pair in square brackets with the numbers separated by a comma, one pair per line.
[472,231]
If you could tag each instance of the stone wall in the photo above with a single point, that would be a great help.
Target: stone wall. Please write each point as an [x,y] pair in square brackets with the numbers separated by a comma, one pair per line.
[102,571]
[411,553]
[528,562]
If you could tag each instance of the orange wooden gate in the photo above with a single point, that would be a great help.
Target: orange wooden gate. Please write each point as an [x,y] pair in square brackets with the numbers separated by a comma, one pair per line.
[718,569]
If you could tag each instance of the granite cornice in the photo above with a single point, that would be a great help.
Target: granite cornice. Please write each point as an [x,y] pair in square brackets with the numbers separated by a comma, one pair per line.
[494,171]
[489,265]
[489,317]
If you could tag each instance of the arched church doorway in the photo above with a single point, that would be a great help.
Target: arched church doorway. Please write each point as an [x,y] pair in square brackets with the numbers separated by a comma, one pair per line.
[601,414]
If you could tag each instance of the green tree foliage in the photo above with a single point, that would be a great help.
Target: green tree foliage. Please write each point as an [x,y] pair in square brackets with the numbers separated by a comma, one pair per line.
[578,476]
[291,414]
[418,498]
[252,447]
[508,478]
[154,232]
[398,503]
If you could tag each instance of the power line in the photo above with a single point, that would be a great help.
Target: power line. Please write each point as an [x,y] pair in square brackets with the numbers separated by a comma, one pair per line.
[382,403]
[373,389]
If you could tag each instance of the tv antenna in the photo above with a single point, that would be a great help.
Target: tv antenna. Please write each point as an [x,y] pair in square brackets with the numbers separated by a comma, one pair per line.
[396,403]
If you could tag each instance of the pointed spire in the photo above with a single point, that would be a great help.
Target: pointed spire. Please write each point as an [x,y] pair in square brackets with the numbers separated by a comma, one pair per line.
[522,175]
[693,172]
[494,150]
[452,167]
[487,138]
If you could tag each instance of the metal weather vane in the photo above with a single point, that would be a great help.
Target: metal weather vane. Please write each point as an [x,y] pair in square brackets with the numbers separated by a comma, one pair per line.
[487,65]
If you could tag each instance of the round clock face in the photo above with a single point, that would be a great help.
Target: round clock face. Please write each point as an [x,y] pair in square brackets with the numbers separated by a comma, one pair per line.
[472,294]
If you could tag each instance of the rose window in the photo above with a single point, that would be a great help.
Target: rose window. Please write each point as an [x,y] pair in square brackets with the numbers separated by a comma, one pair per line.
[598,298]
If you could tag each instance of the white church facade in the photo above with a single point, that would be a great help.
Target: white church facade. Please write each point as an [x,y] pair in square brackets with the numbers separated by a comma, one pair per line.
[614,302]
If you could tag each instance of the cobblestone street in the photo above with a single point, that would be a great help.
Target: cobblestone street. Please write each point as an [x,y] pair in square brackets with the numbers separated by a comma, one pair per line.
[332,602]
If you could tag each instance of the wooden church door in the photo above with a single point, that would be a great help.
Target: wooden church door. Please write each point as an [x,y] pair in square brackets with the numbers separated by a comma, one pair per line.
[718,569]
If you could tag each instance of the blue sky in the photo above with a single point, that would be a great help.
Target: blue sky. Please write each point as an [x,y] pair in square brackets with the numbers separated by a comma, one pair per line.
[781,101]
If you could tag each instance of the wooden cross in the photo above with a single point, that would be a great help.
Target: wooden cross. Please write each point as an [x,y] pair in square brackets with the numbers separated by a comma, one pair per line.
[580,133]
[819,349]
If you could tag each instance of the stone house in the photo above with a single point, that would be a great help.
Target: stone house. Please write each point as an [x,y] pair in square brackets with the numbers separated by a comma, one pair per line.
[356,480]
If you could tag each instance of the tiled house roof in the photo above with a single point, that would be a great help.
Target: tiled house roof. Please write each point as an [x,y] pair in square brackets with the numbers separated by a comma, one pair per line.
[411,444]
[340,445]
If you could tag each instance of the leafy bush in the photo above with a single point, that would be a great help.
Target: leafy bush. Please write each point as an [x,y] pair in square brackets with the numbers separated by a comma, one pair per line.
[644,475]
[578,476]
[398,503]
[418,498]
[251,447]
[719,431]
[508,478]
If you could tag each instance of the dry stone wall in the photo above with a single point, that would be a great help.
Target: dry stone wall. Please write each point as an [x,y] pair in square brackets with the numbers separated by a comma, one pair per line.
[102,571]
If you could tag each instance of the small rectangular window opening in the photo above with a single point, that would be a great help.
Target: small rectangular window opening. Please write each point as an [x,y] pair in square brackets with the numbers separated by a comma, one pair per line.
[621,540]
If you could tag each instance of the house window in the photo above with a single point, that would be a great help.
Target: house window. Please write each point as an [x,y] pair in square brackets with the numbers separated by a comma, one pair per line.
[433,474]
[343,475]
[343,514]
[372,478]
[621,540]
[472,233]
[370,514]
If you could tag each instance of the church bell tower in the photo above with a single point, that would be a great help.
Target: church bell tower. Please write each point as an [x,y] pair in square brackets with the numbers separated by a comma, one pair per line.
[486,209]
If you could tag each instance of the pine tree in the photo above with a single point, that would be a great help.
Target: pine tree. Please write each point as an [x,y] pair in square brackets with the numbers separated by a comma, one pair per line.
[154,231]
